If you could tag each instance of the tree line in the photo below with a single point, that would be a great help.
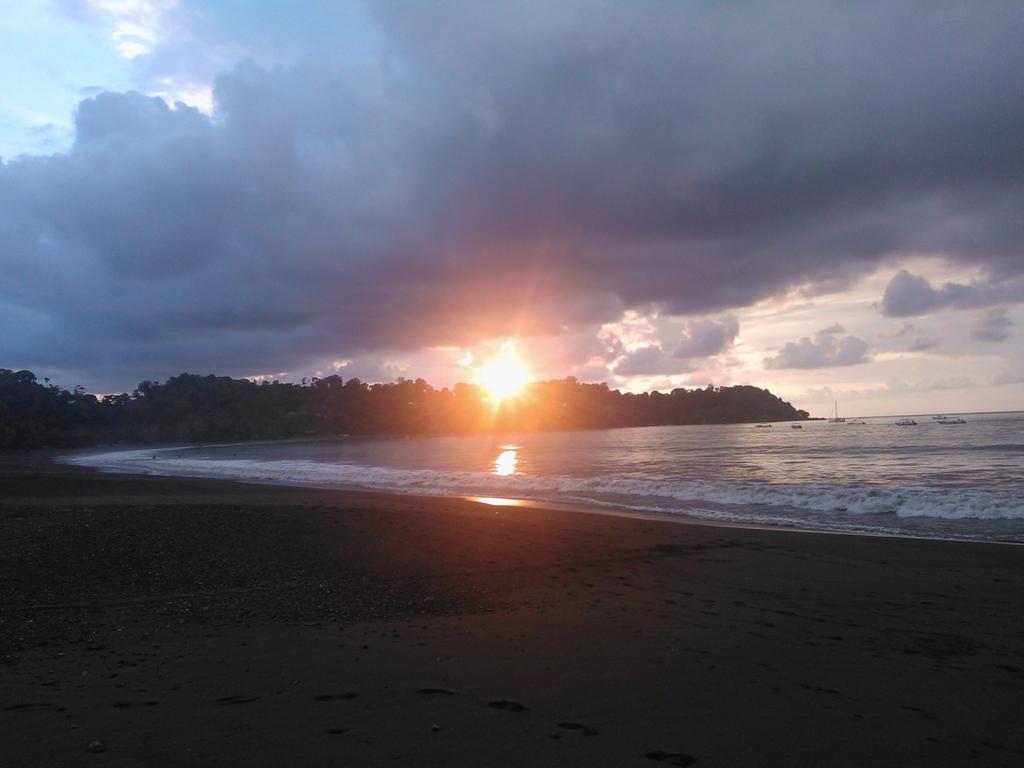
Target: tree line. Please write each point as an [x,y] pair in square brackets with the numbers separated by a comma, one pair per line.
[195,408]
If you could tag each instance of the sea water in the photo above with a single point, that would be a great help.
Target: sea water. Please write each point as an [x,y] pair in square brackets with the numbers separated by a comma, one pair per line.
[963,481]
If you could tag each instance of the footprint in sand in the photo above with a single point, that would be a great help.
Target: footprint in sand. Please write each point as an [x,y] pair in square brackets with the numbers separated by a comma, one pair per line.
[586,730]
[235,700]
[347,696]
[671,758]
[508,706]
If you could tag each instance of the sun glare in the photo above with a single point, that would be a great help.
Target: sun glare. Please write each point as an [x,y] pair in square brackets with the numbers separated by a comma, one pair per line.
[504,376]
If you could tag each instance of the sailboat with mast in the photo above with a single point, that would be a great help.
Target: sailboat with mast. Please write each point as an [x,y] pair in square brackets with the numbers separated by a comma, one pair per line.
[835,416]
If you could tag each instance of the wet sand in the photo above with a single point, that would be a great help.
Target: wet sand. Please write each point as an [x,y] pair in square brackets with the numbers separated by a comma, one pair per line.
[167,622]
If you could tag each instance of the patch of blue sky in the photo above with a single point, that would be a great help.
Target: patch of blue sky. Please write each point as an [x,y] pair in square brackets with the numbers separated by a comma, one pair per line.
[51,62]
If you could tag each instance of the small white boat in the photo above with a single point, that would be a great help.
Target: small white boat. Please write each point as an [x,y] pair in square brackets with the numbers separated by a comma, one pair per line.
[947,420]
[835,416]
[906,423]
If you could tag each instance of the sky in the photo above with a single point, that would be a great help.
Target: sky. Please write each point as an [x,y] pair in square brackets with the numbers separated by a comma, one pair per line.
[823,199]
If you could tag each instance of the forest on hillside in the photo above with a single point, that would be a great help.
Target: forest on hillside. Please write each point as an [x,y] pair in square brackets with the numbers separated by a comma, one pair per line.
[196,408]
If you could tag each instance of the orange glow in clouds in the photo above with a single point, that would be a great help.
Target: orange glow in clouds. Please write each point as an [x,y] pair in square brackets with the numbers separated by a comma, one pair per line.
[503,376]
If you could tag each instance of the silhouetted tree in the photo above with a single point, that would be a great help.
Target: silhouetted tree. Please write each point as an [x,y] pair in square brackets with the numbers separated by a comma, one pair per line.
[193,408]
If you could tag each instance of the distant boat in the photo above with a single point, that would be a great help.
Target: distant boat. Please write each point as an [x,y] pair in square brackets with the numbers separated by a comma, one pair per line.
[835,416]
[947,420]
[764,426]
[856,422]
[906,423]
[795,426]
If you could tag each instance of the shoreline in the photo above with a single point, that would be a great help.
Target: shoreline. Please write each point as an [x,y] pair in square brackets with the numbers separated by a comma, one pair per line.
[65,458]
[185,620]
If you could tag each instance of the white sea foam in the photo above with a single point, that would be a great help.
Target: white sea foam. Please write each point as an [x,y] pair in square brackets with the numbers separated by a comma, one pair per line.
[775,503]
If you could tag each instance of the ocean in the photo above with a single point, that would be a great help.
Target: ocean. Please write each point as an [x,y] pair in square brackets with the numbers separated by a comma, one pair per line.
[960,481]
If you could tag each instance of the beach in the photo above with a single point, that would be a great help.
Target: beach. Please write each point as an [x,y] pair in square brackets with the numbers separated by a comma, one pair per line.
[169,621]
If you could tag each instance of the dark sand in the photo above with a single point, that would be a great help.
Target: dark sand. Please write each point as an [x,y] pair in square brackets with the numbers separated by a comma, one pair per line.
[185,622]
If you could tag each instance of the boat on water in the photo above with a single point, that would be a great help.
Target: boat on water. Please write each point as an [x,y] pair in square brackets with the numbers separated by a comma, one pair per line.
[906,423]
[856,421]
[948,420]
[796,426]
[764,426]
[835,416]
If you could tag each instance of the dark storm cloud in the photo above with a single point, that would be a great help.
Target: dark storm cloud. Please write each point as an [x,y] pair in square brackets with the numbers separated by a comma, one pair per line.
[514,169]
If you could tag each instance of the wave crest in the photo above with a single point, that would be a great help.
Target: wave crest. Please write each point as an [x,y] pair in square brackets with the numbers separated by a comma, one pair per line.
[737,500]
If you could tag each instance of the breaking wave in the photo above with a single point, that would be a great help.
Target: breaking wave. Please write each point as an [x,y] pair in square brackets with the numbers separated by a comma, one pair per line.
[773,503]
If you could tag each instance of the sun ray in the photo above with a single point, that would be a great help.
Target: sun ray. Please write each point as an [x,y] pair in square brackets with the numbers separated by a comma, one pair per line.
[503,376]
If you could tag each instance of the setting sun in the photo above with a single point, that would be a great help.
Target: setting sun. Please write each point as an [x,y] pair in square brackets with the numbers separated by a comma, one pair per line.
[504,376]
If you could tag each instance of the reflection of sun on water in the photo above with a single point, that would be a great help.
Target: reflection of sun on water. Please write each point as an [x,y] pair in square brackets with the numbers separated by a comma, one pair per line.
[506,462]
[497,501]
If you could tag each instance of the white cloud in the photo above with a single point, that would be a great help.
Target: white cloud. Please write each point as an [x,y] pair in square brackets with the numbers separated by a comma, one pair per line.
[993,326]
[707,336]
[650,360]
[909,295]
[135,24]
[825,350]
